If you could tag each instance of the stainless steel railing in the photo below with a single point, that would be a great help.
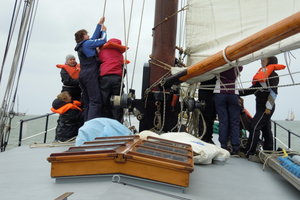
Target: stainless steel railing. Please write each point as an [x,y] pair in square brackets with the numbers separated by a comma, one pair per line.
[289,135]
[43,132]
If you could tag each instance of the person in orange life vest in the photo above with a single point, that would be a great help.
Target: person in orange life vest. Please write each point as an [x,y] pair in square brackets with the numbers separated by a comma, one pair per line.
[70,77]
[70,116]
[111,71]
[89,69]
[266,79]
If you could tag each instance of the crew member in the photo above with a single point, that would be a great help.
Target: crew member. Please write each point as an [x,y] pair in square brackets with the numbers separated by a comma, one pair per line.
[111,72]
[70,77]
[88,77]
[267,80]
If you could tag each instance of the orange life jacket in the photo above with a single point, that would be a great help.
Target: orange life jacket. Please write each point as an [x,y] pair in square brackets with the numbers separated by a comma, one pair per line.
[72,71]
[113,45]
[74,105]
[264,72]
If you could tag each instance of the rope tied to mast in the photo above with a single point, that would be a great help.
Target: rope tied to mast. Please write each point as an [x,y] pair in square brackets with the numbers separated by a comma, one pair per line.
[170,16]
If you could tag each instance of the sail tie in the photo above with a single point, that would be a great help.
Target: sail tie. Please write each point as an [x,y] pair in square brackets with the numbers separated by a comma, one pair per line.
[227,60]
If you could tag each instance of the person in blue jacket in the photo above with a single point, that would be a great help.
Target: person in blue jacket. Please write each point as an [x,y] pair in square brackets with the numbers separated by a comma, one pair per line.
[88,77]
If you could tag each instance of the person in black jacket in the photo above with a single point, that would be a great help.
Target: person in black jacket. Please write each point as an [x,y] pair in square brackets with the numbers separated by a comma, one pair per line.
[70,77]
[70,117]
[264,86]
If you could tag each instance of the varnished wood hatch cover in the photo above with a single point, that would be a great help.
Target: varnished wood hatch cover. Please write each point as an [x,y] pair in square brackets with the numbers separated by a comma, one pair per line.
[155,159]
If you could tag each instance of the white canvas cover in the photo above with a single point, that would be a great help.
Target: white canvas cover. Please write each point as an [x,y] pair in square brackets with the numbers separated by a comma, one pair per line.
[204,153]
[212,25]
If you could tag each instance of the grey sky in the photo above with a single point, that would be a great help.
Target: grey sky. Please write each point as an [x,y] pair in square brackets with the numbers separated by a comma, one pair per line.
[53,38]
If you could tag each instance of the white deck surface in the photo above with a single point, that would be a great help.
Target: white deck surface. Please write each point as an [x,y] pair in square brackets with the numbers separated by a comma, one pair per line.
[25,174]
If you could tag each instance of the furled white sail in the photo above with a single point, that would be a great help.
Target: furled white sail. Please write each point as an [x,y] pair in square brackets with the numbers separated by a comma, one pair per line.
[212,25]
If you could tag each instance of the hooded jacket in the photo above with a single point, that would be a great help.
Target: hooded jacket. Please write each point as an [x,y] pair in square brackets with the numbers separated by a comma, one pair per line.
[111,58]
[70,119]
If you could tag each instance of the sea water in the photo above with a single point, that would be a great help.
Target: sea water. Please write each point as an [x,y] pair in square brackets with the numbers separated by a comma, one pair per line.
[37,127]
[32,131]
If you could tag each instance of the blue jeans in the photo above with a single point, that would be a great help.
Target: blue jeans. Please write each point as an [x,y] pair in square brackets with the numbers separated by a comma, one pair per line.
[228,110]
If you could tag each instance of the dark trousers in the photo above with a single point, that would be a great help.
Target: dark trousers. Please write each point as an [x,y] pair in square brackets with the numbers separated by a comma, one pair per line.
[110,85]
[91,96]
[260,123]
[228,110]
[209,115]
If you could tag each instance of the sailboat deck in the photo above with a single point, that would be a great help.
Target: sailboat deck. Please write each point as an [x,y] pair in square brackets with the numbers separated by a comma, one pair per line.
[25,174]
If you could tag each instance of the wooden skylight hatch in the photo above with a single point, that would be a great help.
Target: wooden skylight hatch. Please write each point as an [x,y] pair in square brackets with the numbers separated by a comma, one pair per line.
[154,158]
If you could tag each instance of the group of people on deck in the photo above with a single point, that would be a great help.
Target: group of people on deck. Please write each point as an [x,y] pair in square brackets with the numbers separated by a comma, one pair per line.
[89,86]
[225,102]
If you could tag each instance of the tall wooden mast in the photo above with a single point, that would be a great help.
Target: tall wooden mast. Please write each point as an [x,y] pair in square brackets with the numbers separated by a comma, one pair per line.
[156,105]
[164,37]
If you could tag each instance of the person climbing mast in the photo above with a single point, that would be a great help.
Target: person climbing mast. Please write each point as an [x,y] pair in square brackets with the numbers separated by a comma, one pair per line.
[88,77]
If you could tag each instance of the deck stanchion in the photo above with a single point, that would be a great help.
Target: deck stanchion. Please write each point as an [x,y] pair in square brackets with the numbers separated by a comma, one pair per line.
[46,128]
[275,135]
[289,139]
[20,134]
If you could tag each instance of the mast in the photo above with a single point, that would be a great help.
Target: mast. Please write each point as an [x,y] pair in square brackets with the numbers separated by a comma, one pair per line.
[156,107]
[164,37]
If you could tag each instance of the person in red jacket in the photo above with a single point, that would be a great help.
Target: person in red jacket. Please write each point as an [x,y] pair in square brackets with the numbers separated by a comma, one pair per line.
[70,77]
[111,71]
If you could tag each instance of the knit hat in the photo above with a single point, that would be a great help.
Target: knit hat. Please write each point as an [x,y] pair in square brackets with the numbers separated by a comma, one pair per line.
[69,56]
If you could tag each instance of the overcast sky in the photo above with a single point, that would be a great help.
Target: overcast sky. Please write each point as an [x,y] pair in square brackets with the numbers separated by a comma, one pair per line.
[53,38]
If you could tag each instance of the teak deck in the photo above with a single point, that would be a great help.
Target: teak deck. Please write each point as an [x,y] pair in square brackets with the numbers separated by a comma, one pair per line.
[155,159]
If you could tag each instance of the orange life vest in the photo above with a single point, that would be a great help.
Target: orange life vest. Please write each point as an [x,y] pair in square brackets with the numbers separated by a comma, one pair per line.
[113,45]
[264,72]
[66,107]
[72,71]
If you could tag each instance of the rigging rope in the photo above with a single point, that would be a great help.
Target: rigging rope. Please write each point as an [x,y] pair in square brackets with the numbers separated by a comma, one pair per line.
[104,9]
[10,34]
[168,17]
[181,22]
[126,38]
[20,53]
[288,62]
[137,45]
[207,86]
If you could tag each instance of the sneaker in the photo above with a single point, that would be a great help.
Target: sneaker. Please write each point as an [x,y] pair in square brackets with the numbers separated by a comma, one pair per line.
[254,158]
[235,154]
[242,154]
